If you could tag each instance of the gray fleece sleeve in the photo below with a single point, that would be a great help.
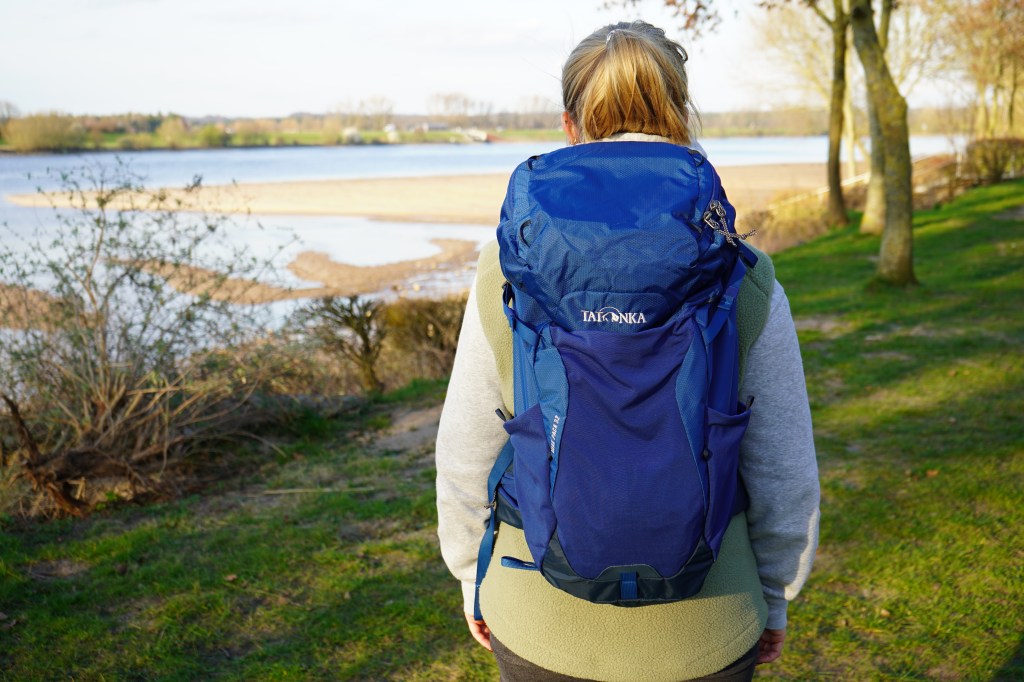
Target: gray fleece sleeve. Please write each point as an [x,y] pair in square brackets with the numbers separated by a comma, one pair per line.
[777,462]
[469,438]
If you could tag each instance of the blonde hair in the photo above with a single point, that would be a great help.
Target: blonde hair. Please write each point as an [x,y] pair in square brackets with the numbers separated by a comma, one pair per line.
[628,77]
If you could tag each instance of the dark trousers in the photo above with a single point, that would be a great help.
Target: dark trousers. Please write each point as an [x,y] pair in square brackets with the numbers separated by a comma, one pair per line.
[516,669]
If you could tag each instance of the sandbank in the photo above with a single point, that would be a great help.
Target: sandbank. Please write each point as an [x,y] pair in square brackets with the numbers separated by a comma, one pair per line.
[469,199]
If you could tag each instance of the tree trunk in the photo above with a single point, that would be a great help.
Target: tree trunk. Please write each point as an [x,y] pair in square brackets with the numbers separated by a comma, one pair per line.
[895,262]
[836,206]
[873,220]
[850,127]
[874,205]
[1013,98]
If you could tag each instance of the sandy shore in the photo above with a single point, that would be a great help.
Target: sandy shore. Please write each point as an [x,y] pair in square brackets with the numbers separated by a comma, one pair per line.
[473,199]
[468,199]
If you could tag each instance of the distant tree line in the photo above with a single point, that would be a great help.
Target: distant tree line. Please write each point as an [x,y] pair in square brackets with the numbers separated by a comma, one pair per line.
[364,123]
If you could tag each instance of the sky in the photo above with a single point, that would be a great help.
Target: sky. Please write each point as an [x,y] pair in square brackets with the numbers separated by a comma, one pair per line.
[263,58]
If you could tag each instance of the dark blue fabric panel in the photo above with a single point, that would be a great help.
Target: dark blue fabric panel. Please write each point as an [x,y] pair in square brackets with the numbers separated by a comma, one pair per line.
[625,477]
[690,395]
[532,479]
[725,431]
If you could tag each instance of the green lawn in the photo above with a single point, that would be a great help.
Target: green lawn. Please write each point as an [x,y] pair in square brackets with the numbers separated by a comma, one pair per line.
[916,397]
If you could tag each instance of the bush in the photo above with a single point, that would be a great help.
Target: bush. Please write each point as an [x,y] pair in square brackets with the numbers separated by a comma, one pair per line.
[212,136]
[352,328]
[384,345]
[250,134]
[44,132]
[424,334]
[113,378]
[173,131]
[135,141]
[787,222]
[995,159]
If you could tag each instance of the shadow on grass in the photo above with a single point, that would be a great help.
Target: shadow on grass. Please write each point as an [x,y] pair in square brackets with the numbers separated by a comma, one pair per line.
[1014,668]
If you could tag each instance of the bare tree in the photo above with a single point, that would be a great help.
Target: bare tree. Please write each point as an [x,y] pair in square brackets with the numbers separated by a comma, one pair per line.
[895,264]
[352,327]
[537,112]
[910,35]
[700,15]
[988,40]
[7,111]
[895,261]
[455,108]
[800,43]
[377,112]
[837,22]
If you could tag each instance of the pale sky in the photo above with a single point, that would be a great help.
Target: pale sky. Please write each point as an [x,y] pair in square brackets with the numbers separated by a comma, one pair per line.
[271,58]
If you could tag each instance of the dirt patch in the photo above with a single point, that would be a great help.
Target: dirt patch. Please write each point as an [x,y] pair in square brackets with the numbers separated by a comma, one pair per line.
[411,430]
[829,326]
[1012,214]
[348,280]
[59,568]
[887,355]
[337,279]
[918,331]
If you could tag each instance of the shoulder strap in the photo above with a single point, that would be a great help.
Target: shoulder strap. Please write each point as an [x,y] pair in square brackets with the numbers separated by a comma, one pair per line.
[753,303]
[490,283]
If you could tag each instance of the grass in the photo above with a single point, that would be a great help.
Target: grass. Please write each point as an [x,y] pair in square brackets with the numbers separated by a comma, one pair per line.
[916,398]
[323,567]
[323,564]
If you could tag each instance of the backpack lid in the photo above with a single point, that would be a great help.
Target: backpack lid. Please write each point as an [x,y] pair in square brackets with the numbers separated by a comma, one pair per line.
[605,224]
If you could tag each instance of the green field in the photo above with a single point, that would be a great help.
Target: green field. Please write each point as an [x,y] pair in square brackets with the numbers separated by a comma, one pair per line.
[321,561]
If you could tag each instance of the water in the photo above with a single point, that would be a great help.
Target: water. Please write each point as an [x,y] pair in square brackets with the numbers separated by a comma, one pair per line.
[353,240]
[20,174]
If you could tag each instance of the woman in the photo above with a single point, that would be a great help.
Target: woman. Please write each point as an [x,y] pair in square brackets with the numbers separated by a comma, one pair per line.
[627,82]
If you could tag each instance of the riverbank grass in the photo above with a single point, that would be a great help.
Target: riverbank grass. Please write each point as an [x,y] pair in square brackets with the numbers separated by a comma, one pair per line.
[323,562]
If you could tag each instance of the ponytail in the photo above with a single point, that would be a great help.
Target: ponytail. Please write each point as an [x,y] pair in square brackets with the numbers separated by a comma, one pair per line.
[628,77]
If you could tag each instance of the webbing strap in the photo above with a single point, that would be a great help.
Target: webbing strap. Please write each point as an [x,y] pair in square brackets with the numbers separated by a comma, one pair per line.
[483,558]
[628,590]
[724,307]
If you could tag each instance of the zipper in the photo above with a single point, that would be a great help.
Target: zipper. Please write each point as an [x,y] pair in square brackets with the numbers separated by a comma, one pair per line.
[715,218]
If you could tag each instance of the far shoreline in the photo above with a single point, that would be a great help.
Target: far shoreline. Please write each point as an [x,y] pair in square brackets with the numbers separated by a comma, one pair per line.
[546,137]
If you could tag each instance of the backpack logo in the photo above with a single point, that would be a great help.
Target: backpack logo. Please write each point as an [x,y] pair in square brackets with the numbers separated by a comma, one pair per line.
[610,314]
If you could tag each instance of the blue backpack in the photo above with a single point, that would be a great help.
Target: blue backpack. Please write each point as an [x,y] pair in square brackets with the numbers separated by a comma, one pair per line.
[622,267]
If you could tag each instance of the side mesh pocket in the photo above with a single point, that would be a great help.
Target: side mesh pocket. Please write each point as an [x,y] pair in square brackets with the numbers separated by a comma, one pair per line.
[722,452]
[533,479]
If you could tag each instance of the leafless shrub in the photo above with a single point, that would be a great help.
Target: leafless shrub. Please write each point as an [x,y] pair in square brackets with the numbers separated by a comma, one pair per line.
[109,377]
[995,159]
[351,328]
[789,221]
[423,335]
